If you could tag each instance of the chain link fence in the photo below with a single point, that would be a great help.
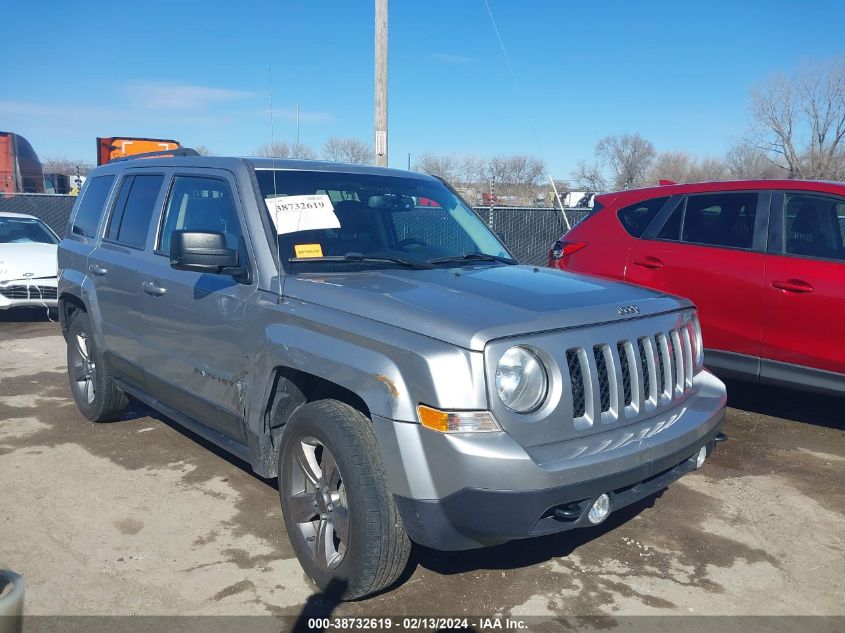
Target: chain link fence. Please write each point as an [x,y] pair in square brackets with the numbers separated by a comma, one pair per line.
[53,209]
[528,231]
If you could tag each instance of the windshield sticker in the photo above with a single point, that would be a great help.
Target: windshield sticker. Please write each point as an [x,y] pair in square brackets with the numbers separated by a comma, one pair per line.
[308,250]
[302,213]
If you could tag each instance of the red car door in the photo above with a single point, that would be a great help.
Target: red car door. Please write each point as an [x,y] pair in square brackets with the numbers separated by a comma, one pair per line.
[710,249]
[804,305]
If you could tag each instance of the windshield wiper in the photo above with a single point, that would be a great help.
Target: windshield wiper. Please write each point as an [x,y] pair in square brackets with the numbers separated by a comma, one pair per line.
[360,257]
[481,257]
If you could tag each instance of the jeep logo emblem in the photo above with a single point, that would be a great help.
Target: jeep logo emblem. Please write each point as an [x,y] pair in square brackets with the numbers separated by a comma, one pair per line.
[627,310]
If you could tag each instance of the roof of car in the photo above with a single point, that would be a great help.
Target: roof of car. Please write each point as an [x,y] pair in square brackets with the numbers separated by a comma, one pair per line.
[724,185]
[9,214]
[289,164]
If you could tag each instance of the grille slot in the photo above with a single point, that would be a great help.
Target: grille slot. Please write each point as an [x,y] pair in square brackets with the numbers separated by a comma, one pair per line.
[625,366]
[576,376]
[660,363]
[678,355]
[604,379]
[28,292]
[647,386]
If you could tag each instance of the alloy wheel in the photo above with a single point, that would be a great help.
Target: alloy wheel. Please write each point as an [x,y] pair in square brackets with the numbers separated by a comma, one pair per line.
[317,500]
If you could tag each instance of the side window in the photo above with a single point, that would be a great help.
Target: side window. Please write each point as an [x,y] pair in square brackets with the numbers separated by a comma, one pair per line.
[91,206]
[636,217]
[815,226]
[200,204]
[722,219]
[134,209]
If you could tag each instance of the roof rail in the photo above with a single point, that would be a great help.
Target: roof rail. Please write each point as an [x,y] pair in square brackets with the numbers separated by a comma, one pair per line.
[168,153]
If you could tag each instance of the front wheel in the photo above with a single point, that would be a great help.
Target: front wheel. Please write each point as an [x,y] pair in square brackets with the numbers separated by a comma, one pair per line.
[339,513]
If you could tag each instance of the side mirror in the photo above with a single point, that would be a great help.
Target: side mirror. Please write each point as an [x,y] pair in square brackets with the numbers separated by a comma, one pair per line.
[204,252]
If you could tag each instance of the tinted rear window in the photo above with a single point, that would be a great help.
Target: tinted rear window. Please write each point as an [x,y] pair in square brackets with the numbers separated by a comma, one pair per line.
[636,217]
[721,219]
[91,206]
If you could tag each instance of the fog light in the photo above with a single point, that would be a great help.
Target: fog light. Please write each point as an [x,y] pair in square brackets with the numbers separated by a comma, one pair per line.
[599,510]
[700,457]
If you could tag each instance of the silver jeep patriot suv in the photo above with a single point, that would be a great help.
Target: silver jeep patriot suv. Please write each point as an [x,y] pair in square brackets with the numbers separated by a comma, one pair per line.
[362,335]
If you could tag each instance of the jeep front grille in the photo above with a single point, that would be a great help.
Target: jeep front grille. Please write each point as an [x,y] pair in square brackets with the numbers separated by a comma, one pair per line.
[29,292]
[623,379]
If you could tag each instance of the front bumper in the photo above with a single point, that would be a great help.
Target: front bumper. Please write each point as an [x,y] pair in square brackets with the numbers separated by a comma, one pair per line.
[28,293]
[464,491]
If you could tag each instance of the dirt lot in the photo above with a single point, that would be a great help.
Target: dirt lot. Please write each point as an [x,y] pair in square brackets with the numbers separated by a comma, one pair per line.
[140,517]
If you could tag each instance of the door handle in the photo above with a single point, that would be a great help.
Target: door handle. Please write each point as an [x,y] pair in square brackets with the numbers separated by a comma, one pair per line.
[96,269]
[651,263]
[793,285]
[151,289]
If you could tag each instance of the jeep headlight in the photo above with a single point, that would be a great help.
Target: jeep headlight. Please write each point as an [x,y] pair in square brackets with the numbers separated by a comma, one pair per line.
[521,380]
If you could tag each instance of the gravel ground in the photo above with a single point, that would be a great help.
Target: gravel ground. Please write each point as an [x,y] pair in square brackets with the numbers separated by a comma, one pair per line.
[141,517]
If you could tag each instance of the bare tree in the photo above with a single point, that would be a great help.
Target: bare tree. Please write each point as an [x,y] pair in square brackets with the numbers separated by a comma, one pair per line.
[589,176]
[348,150]
[628,157]
[281,149]
[516,177]
[709,169]
[204,150]
[441,165]
[673,165]
[800,120]
[471,168]
[746,162]
[682,167]
[64,166]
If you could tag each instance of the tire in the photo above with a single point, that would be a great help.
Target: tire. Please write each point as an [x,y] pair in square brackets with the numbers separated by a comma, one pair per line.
[339,513]
[91,382]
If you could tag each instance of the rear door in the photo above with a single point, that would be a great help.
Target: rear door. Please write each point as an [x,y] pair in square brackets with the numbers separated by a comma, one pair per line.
[196,322]
[113,267]
[711,249]
[804,322]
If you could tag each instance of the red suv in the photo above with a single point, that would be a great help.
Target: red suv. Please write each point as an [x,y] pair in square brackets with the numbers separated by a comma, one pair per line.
[764,261]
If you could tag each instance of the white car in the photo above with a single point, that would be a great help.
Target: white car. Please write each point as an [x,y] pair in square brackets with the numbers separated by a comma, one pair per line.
[27,262]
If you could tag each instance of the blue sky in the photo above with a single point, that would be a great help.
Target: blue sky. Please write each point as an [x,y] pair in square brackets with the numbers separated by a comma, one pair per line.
[678,73]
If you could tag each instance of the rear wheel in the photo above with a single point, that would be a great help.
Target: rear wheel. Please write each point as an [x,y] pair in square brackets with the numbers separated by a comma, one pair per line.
[339,513]
[91,383]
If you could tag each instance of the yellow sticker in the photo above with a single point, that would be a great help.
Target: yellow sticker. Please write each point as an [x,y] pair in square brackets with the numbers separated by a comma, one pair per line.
[308,250]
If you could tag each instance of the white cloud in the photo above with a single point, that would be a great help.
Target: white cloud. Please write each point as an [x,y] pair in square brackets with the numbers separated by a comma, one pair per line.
[155,95]
[450,58]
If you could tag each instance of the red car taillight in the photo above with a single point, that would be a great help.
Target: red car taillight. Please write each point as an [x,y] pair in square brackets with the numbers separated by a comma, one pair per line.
[561,249]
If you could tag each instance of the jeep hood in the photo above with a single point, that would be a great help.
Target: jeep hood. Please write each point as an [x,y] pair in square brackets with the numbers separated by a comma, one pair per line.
[469,307]
[28,260]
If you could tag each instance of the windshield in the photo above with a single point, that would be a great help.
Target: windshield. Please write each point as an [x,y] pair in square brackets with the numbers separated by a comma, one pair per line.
[385,219]
[25,230]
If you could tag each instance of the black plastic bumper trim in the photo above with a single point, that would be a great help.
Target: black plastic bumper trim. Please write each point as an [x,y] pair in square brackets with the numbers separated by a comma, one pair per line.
[474,517]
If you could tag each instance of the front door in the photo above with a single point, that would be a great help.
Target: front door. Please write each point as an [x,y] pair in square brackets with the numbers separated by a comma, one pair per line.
[196,322]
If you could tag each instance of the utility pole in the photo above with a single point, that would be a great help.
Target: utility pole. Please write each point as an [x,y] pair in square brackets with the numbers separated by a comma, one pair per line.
[381,83]
[297,125]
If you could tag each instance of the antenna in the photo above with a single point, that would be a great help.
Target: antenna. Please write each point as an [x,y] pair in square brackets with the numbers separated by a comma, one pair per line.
[519,91]
[560,202]
[273,161]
